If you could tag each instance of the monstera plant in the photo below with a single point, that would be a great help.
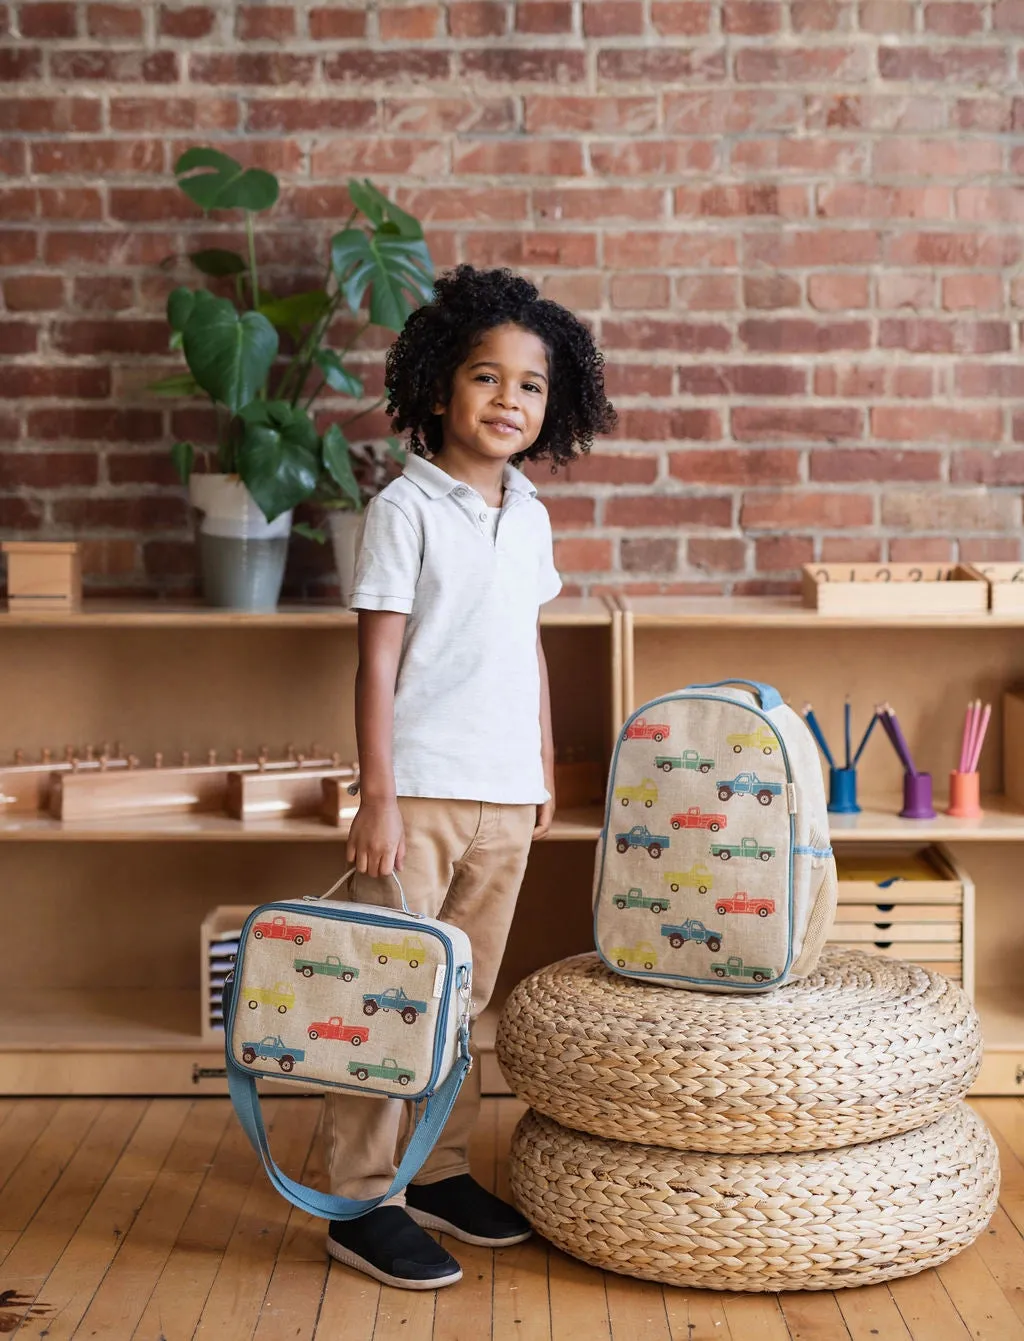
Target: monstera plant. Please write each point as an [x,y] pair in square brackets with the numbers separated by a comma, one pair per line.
[378,270]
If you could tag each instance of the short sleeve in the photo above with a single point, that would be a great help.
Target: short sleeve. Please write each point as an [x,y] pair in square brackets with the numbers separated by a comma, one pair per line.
[388,560]
[549,583]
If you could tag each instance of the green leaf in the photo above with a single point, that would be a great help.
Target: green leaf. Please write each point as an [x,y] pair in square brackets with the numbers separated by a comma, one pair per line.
[338,460]
[230,355]
[310,532]
[293,313]
[377,207]
[337,376]
[219,182]
[277,458]
[396,451]
[179,384]
[217,262]
[183,455]
[394,266]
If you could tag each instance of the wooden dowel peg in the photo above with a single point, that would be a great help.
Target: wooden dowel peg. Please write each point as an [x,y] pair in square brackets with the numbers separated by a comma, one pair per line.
[158,760]
[184,758]
[239,756]
[133,761]
[19,758]
[211,757]
[46,756]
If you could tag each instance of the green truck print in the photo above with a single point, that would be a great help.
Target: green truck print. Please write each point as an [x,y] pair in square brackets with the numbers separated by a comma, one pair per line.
[331,967]
[691,759]
[734,967]
[388,1069]
[747,848]
[636,898]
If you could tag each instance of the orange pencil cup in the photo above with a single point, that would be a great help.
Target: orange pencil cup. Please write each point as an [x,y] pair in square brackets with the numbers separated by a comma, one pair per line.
[964,795]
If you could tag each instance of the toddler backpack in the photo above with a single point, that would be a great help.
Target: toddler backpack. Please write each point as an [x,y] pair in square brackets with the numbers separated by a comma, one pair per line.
[714,869]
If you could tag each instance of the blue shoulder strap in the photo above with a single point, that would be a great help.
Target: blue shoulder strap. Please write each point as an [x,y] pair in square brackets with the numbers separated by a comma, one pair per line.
[246,1100]
[770,698]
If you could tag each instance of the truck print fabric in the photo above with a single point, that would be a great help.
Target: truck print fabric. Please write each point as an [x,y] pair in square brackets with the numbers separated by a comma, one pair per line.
[332,998]
[714,868]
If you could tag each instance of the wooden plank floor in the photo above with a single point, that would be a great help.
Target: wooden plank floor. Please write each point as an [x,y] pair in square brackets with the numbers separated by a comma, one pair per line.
[149,1220]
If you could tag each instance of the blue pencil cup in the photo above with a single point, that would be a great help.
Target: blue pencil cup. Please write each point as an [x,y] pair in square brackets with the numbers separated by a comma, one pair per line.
[842,791]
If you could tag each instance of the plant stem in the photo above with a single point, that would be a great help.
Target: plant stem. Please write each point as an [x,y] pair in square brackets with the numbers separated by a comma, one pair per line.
[362,413]
[253,277]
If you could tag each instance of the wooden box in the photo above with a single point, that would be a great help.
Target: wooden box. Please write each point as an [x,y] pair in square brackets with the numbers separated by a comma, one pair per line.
[908,904]
[43,575]
[218,933]
[894,589]
[1005,585]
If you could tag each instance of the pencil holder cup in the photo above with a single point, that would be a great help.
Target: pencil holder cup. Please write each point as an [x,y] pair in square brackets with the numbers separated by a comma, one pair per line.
[917,796]
[842,791]
[964,795]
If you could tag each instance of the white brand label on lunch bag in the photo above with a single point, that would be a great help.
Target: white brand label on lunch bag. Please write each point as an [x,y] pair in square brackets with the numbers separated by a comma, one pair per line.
[439,980]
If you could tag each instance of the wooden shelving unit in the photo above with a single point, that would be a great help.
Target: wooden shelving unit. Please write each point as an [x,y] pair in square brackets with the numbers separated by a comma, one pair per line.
[927,667]
[102,917]
[103,980]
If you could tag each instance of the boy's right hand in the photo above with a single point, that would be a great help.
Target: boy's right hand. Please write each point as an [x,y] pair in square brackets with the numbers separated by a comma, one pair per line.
[376,840]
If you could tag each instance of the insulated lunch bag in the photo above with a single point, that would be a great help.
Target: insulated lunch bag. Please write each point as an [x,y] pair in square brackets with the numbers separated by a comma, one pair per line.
[348,996]
[714,869]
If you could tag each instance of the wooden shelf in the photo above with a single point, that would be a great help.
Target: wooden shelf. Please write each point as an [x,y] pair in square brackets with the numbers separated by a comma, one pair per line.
[879,821]
[582,824]
[753,612]
[565,611]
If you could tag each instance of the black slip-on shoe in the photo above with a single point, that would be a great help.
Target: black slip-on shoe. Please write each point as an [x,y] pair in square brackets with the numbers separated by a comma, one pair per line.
[461,1207]
[388,1245]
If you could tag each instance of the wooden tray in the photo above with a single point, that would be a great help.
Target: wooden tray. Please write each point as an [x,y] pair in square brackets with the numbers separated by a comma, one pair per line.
[894,589]
[1005,585]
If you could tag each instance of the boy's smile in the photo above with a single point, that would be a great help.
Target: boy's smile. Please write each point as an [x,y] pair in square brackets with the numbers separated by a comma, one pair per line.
[497,404]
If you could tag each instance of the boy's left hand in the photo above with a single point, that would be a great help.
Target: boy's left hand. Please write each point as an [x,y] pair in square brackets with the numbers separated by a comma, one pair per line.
[545,814]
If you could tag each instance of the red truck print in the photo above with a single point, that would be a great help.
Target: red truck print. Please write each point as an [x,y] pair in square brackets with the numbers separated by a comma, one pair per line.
[642,729]
[743,903]
[695,818]
[335,1027]
[277,929]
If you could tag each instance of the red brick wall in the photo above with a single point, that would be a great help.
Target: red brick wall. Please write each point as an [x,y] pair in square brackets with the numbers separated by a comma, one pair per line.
[796,228]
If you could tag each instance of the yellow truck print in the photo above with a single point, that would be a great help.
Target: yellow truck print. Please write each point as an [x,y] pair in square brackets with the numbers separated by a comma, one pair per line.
[762,739]
[646,793]
[279,995]
[697,877]
[409,948]
[641,953]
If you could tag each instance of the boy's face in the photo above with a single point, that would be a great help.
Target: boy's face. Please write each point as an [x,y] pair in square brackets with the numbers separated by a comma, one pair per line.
[499,395]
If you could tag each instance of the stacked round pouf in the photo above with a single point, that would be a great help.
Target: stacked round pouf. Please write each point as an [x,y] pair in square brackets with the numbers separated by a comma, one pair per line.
[809,1139]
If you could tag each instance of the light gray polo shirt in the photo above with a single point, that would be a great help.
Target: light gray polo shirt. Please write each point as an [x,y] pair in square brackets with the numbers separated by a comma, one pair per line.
[467,699]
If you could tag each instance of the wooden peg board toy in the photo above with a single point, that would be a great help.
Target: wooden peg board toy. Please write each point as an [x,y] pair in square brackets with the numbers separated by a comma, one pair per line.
[893,589]
[1005,585]
[339,802]
[295,792]
[43,575]
[25,787]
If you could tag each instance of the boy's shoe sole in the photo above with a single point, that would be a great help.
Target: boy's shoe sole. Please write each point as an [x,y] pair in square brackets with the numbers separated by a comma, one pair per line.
[427,1221]
[350,1259]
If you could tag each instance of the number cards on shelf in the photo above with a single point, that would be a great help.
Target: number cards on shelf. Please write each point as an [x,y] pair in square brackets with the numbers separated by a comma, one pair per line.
[894,589]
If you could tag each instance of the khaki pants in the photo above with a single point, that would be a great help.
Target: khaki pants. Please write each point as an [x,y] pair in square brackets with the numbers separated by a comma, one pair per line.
[464,863]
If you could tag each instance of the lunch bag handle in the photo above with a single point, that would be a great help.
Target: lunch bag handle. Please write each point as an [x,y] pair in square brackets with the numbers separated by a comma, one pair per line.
[770,697]
[429,1124]
[348,876]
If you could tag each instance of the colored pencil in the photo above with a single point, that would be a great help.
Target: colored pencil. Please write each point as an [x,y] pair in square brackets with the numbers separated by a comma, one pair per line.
[980,739]
[818,734]
[965,740]
[864,741]
[846,724]
[905,748]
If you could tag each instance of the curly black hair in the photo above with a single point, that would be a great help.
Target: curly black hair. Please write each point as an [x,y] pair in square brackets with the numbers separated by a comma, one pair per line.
[437,338]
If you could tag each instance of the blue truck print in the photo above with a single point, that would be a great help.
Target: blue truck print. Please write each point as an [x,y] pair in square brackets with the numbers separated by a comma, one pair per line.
[394,998]
[641,836]
[692,930]
[748,784]
[274,1048]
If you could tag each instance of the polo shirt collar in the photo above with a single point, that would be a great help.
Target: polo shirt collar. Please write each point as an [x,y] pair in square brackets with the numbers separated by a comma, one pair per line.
[436,483]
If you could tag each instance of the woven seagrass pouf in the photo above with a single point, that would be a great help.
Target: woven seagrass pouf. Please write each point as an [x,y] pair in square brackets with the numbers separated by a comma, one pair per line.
[813,1221]
[862,1048]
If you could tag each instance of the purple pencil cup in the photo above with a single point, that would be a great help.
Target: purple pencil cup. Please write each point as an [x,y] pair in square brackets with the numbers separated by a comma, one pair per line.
[917,796]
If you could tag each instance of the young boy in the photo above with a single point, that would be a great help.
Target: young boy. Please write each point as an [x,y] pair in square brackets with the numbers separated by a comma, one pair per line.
[452,711]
